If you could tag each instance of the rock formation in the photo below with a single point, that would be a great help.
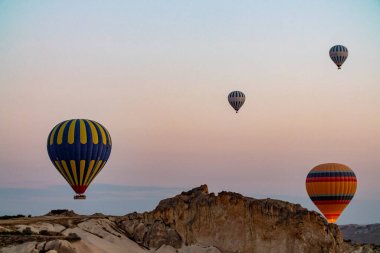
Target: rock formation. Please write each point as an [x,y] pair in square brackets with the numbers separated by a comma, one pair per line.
[191,222]
[233,223]
[62,212]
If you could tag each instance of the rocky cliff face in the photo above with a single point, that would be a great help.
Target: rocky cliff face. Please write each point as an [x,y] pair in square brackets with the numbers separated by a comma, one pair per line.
[191,222]
[233,223]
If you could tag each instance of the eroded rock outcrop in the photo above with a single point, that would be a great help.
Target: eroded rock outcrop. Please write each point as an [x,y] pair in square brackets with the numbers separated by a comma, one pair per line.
[233,223]
[60,246]
[192,222]
[62,212]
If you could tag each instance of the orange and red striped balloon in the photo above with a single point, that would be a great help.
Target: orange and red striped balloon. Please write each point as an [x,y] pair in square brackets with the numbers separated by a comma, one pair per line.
[331,186]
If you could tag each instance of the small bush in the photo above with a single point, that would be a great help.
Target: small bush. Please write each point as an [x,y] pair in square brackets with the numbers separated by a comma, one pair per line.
[59,211]
[44,232]
[16,232]
[49,233]
[73,237]
[7,217]
[27,231]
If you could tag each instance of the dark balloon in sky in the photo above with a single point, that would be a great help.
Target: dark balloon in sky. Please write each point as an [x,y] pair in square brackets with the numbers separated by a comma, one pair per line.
[236,99]
[338,55]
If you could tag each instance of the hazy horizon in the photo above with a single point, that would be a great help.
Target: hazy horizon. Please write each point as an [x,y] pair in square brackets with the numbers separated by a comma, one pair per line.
[123,199]
[157,74]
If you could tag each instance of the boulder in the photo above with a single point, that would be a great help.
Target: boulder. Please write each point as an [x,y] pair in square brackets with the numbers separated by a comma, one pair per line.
[60,246]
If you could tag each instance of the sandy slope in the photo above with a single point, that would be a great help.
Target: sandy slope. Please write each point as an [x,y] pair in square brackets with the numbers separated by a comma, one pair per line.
[21,248]
[97,236]
[100,236]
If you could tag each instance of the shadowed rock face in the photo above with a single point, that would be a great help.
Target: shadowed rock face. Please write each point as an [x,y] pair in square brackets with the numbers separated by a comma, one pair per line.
[233,223]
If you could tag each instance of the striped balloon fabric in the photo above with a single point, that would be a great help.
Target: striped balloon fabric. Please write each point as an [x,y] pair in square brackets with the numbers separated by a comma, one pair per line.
[236,99]
[331,186]
[338,54]
[79,149]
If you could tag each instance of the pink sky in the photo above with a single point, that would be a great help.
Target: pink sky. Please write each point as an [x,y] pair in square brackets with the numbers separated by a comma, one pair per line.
[158,80]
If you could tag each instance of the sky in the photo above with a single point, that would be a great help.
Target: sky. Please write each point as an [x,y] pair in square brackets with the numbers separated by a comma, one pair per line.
[157,74]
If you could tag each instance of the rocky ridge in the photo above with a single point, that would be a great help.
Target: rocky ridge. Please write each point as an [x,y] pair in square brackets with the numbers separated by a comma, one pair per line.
[233,223]
[193,221]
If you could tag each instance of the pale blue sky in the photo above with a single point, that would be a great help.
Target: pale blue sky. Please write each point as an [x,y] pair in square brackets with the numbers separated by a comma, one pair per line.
[156,74]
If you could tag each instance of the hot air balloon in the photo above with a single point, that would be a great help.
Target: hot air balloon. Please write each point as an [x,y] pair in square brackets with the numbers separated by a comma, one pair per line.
[338,54]
[236,99]
[79,149]
[331,186]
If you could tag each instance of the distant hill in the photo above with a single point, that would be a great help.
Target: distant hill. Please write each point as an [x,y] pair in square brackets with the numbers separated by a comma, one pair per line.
[362,233]
[193,221]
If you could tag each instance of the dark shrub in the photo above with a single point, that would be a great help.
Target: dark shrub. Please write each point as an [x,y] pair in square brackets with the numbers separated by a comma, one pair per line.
[15,232]
[27,231]
[49,233]
[7,217]
[44,232]
[73,237]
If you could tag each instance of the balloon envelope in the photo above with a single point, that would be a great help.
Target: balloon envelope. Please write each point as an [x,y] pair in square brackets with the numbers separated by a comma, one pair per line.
[338,55]
[331,186]
[79,149]
[236,99]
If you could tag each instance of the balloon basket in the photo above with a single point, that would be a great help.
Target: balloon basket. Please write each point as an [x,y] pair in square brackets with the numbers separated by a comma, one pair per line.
[80,197]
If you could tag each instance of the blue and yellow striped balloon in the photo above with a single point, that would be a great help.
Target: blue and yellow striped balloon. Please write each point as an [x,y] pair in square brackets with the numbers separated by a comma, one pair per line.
[79,149]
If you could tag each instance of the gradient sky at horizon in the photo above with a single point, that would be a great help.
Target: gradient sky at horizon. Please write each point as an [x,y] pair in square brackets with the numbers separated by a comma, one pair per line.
[156,74]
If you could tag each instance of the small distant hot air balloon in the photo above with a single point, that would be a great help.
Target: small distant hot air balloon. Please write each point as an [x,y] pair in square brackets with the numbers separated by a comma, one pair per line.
[79,149]
[338,54]
[331,186]
[236,99]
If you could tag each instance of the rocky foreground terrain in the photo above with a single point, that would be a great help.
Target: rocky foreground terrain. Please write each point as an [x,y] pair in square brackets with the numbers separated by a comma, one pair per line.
[191,222]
